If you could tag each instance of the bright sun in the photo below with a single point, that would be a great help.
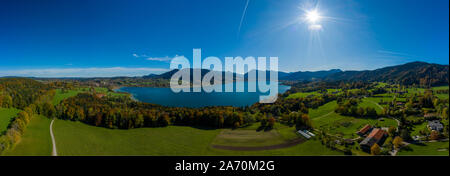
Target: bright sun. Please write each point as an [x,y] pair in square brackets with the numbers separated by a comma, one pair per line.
[313,16]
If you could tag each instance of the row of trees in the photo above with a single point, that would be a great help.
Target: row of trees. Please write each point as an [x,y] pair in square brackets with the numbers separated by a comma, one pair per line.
[111,112]
[15,129]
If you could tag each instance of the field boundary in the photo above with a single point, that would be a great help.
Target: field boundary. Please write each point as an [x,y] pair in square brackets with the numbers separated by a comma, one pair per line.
[258,148]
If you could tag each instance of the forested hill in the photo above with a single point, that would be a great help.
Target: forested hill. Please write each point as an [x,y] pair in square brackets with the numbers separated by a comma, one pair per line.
[309,75]
[168,75]
[418,73]
[21,92]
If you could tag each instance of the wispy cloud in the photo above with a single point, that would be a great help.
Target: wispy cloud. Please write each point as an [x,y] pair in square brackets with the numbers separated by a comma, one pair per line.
[394,53]
[243,16]
[161,59]
[82,72]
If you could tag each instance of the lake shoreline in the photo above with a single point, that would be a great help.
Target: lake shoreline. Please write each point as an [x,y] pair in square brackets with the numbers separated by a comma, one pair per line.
[166,97]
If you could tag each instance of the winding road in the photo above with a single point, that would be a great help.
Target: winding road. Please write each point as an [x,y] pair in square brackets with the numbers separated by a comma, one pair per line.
[54,152]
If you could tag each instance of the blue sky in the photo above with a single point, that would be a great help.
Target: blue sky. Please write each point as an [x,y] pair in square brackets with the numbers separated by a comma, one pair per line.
[51,38]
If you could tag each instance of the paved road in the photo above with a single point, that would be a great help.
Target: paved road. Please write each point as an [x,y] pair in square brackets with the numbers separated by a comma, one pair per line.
[54,152]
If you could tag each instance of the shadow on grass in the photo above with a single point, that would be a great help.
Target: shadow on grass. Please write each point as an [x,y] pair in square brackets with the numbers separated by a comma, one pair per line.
[264,128]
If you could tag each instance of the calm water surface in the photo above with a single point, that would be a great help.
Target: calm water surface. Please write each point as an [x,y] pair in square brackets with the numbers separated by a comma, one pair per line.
[165,96]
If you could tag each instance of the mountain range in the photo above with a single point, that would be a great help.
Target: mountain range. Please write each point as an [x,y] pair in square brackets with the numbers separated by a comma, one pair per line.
[419,73]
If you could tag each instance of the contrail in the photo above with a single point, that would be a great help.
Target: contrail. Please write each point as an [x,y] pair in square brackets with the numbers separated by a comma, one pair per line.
[243,15]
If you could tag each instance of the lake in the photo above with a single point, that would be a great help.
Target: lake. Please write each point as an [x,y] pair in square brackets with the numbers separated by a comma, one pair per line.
[166,97]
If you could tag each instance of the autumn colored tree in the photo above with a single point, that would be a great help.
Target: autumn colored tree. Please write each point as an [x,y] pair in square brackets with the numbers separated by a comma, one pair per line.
[391,130]
[271,122]
[375,149]
[398,142]
[434,135]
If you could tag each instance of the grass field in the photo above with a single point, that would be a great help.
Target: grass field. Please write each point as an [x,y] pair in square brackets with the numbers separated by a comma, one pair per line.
[322,110]
[36,140]
[75,138]
[427,149]
[366,102]
[347,126]
[381,84]
[302,94]
[441,96]
[6,115]
[60,96]
[417,128]
[252,136]
[324,117]
[109,93]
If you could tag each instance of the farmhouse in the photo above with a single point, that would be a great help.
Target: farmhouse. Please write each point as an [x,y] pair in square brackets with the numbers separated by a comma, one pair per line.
[364,130]
[435,125]
[377,136]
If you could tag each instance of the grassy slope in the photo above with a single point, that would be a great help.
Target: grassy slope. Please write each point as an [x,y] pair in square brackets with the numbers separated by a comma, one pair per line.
[427,149]
[345,125]
[322,110]
[250,136]
[370,103]
[36,141]
[6,115]
[75,138]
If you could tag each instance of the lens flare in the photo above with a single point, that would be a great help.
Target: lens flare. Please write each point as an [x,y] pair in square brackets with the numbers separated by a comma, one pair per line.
[313,16]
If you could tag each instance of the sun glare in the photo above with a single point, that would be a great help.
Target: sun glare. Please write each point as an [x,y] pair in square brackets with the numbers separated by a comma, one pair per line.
[313,16]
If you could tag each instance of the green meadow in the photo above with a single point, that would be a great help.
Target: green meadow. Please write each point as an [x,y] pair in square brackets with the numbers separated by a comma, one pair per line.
[324,117]
[6,116]
[302,94]
[426,149]
[60,96]
[322,110]
[36,140]
[75,138]
[370,103]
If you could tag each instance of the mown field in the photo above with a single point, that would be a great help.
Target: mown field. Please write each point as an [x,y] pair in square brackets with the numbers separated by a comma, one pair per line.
[6,115]
[255,136]
[36,140]
[75,138]
[426,149]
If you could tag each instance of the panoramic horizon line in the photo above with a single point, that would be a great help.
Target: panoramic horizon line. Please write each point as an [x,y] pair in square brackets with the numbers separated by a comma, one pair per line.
[111,72]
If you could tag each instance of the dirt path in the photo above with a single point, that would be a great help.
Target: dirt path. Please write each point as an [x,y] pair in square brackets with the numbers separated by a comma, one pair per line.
[54,152]
[257,148]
